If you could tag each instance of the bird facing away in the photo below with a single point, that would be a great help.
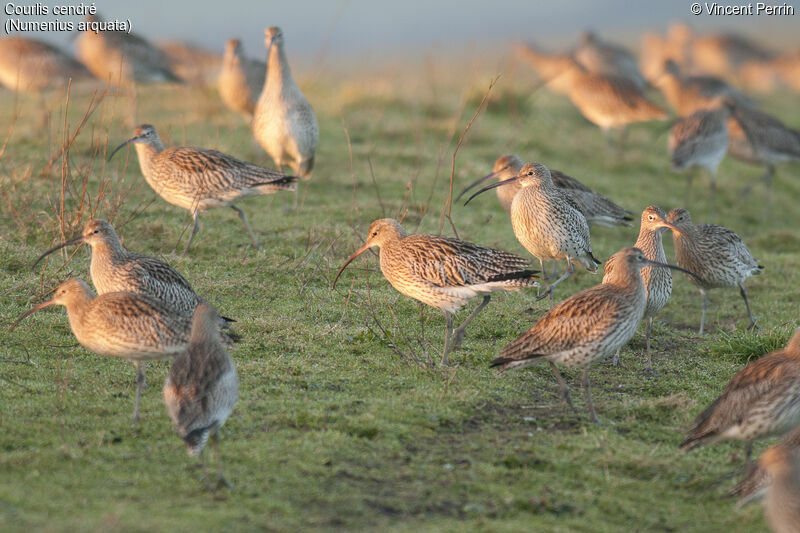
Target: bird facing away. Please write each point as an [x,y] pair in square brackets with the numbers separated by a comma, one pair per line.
[687,94]
[284,123]
[115,269]
[716,254]
[782,501]
[240,79]
[760,400]
[546,222]
[201,389]
[121,58]
[443,272]
[657,281]
[758,479]
[596,208]
[699,140]
[31,65]
[761,139]
[601,57]
[586,327]
[131,326]
[192,63]
[198,179]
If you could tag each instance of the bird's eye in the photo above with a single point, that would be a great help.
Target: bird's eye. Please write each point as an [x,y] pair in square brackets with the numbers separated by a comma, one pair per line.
[651,217]
[375,234]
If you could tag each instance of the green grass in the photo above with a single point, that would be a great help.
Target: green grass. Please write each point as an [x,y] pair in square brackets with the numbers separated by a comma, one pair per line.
[334,428]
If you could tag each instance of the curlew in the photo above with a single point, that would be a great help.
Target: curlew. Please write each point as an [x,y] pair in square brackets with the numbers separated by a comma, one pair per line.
[131,326]
[546,222]
[716,254]
[760,400]
[761,139]
[596,208]
[28,65]
[687,94]
[601,57]
[198,179]
[283,122]
[240,80]
[587,326]
[115,269]
[699,140]
[121,58]
[443,272]
[657,281]
[548,66]
[758,478]
[191,63]
[201,389]
[782,501]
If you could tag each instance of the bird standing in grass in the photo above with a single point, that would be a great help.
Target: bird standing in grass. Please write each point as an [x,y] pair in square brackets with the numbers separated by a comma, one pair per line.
[240,80]
[758,478]
[546,222]
[760,400]
[443,272]
[198,179]
[716,254]
[201,389]
[586,327]
[699,140]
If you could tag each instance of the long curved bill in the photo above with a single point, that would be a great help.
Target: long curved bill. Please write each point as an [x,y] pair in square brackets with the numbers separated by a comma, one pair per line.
[492,186]
[53,249]
[30,312]
[476,183]
[118,148]
[358,252]
[674,267]
[673,227]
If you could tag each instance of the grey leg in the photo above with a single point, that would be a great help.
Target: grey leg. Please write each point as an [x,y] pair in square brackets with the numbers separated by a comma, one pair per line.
[221,479]
[246,225]
[447,335]
[140,379]
[705,306]
[458,334]
[589,403]
[753,325]
[195,229]
[615,361]
[563,386]
[565,275]
[555,269]
[748,451]
[647,344]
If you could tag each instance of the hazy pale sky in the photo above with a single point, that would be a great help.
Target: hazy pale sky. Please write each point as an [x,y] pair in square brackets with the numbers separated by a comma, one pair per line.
[372,27]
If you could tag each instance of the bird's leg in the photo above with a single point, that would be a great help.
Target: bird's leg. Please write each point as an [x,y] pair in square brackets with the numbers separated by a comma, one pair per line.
[565,275]
[205,472]
[563,387]
[458,334]
[752,325]
[447,335]
[195,229]
[589,403]
[247,226]
[140,367]
[748,452]
[705,306]
[615,361]
[221,479]
[555,269]
[647,345]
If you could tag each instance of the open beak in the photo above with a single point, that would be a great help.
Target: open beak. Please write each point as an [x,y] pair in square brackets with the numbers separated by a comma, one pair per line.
[126,143]
[492,186]
[366,246]
[674,267]
[51,250]
[476,183]
[30,312]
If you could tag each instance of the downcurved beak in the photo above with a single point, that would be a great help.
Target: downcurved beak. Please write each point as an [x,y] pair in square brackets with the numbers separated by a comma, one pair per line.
[51,250]
[476,183]
[30,312]
[366,246]
[674,267]
[493,186]
[126,143]
[672,227]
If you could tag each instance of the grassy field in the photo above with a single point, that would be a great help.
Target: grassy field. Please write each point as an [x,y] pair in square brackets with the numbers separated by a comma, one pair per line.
[337,427]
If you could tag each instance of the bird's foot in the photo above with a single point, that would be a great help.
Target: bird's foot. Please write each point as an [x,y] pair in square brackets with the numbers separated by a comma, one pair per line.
[458,338]
[753,327]
[222,482]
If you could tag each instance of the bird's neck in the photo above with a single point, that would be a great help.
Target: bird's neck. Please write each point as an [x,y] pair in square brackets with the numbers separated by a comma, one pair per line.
[625,279]
[650,242]
[278,71]
[76,308]
[147,152]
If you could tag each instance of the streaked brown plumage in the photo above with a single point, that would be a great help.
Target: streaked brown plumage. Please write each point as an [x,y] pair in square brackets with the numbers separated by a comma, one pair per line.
[241,80]
[201,389]
[198,179]
[115,269]
[760,400]
[596,208]
[687,94]
[546,222]
[191,63]
[587,326]
[120,58]
[716,254]
[131,326]
[443,272]
[782,501]
[548,66]
[283,122]
[699,140]
[758,479]
[31,65]
[601,57]
[657,281]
